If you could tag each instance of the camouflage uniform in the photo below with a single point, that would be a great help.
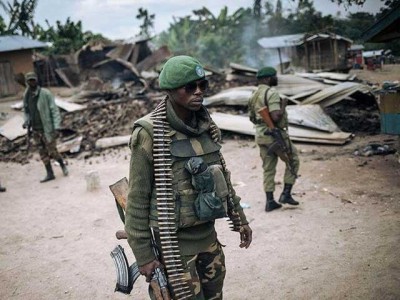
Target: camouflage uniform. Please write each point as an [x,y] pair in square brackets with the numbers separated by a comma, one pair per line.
[206,272]
[267,96]
[43,116]
[47,149]
[201,253]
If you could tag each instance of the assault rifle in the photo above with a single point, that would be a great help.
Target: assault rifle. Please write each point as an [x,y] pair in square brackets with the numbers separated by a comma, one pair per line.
[126,276]
[279,146]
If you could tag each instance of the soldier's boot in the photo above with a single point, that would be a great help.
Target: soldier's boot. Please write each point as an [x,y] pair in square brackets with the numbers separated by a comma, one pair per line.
[271,203]
[286,196]
[50,174]
[63,167]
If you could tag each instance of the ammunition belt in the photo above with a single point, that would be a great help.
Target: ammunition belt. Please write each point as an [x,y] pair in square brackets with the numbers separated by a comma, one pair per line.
[166,204]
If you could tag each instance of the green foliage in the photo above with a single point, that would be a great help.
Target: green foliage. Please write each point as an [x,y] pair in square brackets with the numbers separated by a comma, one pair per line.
[388,5]
[66,38]
[354,25]
[214,40]
[3,26]
[148,22]
[20,14]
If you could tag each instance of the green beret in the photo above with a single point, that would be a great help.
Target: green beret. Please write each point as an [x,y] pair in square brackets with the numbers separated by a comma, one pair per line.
[179,70]
[30,75]
[266,72]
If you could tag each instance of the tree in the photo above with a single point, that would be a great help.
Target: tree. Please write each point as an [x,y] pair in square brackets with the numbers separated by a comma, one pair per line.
[354,25]
[388,5]
[215,39]
[3,26]
[66,38]
[20,16]
[148,22]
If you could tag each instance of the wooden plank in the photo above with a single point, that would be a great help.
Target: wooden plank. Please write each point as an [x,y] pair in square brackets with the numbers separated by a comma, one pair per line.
[120,191]
[155,58]
[7,82]
[122,51]
[69,78]
[112,141]
[72,146]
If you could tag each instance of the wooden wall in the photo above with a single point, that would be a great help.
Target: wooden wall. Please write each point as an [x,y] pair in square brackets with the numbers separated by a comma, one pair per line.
[13,63]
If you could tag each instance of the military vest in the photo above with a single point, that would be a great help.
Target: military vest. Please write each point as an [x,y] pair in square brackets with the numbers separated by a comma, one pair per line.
[182,148]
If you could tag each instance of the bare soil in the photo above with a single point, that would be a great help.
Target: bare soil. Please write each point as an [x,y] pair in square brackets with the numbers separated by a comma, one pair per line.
[341,242]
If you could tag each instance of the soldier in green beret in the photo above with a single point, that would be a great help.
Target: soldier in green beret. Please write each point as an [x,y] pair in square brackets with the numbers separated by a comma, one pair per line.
[266,95]
[43,117]
[179,185]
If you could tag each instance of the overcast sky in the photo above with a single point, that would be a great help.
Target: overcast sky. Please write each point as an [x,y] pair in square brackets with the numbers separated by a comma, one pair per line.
[116,19]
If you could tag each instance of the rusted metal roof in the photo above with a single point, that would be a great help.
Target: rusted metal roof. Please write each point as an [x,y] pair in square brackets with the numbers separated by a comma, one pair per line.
[16,42]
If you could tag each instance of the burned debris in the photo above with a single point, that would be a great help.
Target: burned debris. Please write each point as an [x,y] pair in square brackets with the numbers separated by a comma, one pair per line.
[114,85]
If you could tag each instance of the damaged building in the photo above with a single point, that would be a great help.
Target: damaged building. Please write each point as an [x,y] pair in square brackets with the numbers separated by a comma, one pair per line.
[309,52]
[16,60]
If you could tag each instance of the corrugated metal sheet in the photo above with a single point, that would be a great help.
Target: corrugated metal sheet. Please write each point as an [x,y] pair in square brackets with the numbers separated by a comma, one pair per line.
[242,124]
[15,42]
[281,41]
[295,40]
[336,93]
[373,53]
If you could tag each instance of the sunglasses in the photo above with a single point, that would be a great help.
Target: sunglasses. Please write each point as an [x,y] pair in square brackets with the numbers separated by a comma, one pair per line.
[191,87]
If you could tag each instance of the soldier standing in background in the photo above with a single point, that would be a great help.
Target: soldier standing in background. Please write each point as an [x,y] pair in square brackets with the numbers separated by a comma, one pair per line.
[43,116]
[267,96]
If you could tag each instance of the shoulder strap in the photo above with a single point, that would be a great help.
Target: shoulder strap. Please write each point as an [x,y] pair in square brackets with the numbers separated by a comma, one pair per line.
[265,97]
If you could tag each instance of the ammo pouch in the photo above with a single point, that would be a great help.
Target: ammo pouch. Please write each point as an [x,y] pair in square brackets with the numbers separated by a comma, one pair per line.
[210,183]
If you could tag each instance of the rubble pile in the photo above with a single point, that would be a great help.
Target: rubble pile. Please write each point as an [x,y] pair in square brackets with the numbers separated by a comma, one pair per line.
[359,116]
[96,121]
[114,85]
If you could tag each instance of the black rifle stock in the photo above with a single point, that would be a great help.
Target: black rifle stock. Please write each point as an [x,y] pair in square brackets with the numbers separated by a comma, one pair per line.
[126,276]
[279,146]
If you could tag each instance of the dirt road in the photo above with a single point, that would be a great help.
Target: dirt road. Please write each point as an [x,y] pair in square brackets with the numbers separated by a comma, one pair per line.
[340,243]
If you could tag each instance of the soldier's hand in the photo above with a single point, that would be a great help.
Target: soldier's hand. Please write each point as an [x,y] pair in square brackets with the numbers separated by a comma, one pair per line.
[148,269]
[245,236]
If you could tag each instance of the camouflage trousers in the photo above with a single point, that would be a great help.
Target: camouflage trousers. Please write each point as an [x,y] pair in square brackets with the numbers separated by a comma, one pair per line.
[270,161]
[205,272]
[47,150]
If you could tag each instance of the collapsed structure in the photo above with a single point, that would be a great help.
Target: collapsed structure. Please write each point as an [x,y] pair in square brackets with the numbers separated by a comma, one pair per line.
[113,85]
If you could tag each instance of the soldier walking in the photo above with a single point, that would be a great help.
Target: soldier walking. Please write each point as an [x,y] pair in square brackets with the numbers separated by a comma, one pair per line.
[43,117]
